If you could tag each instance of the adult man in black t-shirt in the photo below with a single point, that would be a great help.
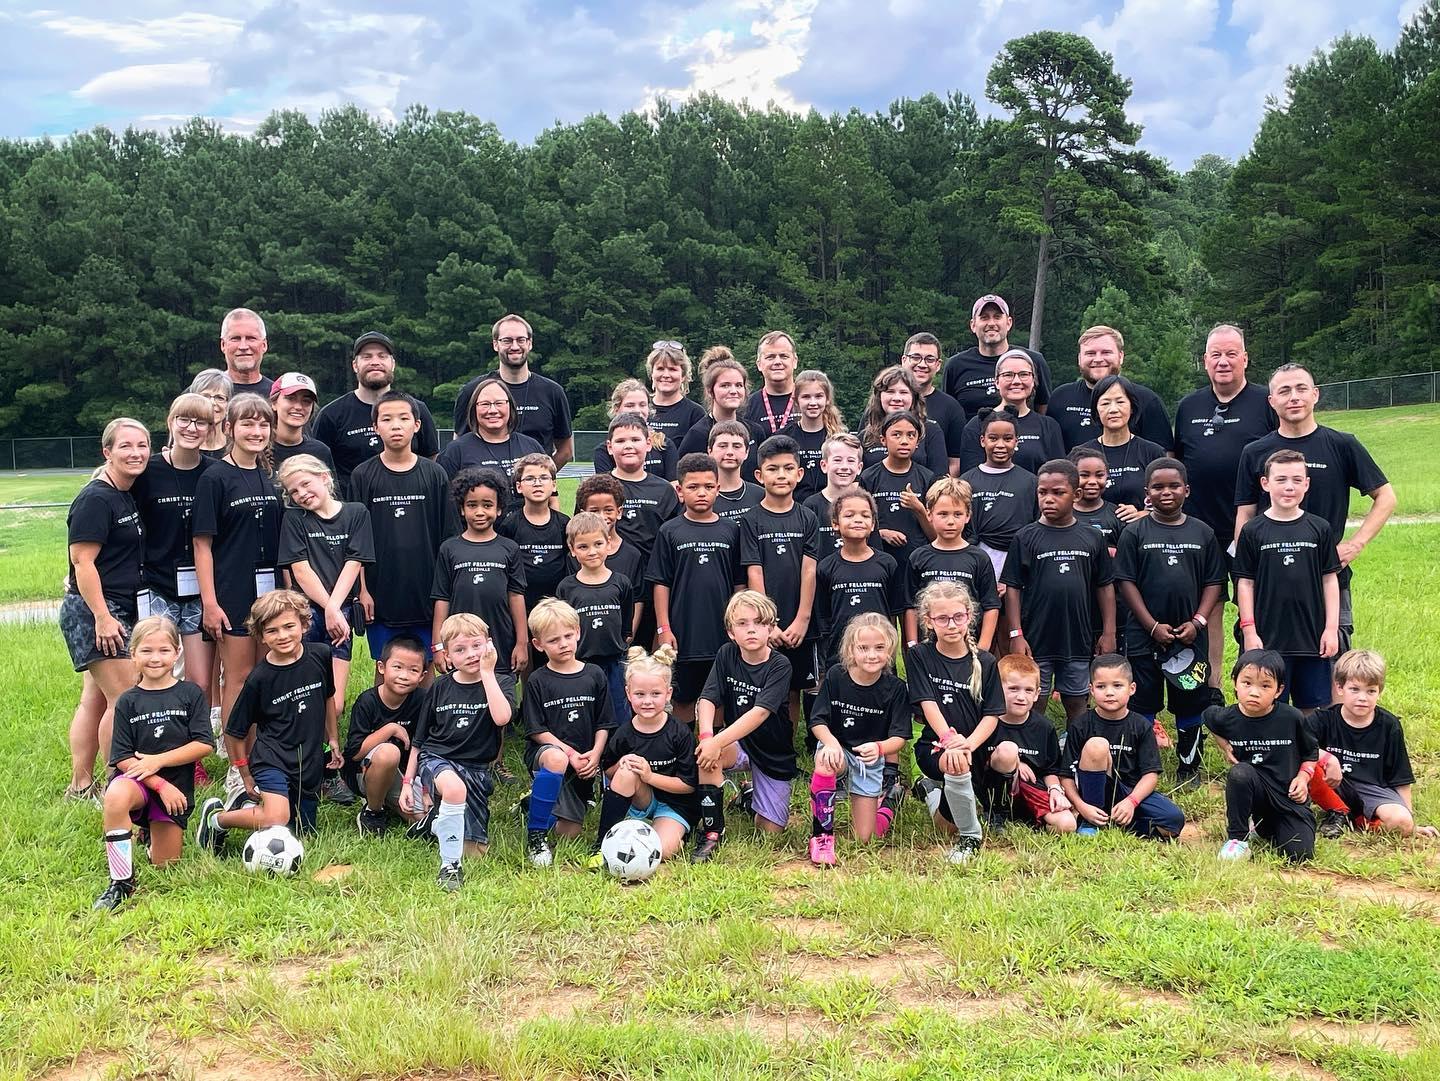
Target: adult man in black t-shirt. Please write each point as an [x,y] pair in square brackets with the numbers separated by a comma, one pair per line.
[542,408]
[1212,427]
[921,358]
[243,344]
[1102,353]
[347,424]
[970,373]
[1336,462]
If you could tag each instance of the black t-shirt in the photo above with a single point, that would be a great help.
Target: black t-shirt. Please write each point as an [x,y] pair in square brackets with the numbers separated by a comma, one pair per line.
[827,539]
[469,450]
[648,504]
[969,566]
[1274,744]
[856,713]
[166,498]
[778,544]
[844,589]
[155,722]
[347,428]
[285,704]
[241,510]
[1037,441]
[102,514]
[456,723]
[1104,521]
[541,408]
[697,441]
[931,453]
[674,421]
[934,677]
[1036,741]
[605,611]
[1058,569]
[810,444]
[260,387]
[670,752]
[572,707]
[887,488]
[327,545]
[1170,565]
[369,714]
[1375,754]
[969,378]
[628,560]
[1002,505]
[945,411]
[700,563]
[1210,438]
[281,453]
[542,549]
[1070,406]
[1288,562]
[1132,745]
[478,577]
[735,505]
[411,513]
[783,407]
[659,462]
[736,687]
[1125,466]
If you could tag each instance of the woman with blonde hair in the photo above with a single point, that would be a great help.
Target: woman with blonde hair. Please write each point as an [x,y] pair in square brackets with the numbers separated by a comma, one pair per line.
[630,396]
[672,413]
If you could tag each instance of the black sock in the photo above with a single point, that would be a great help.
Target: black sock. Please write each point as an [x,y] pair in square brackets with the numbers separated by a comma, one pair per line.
[712,810]
[890,776]
[1188,748]
[613,808]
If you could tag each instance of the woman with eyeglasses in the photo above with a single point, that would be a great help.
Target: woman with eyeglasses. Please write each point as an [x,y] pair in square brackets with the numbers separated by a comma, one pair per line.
[1038,438]
[215,387]
[1114,404]
[494,441]
[672,414]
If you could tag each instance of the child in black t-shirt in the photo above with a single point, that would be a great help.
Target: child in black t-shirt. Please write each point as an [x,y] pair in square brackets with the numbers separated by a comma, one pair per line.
[1364,774]
[457,739]
[696,562]
[568,719]
[899,484]
[816,421]
[1003,493]
[1021,780]
[382,726]
[747,692]
[954,690]
[539,530]
[1058,576]
[288,700]
[840,464]
[1090,505]
[1112,762]
[862,715]
[949,557]
[649,762]
[732,444]
[856,579]
[162,728]
[604,495]
[605,601]
[1272,760]
[649,500]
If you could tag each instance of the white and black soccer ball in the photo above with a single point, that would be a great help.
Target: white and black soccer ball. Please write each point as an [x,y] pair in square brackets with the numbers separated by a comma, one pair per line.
[631,850]
[274,850]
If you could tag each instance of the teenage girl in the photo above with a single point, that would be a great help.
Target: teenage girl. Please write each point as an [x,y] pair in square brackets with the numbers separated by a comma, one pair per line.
[817,419]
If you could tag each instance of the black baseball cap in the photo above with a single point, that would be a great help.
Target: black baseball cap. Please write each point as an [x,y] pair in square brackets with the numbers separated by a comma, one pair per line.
[373,337]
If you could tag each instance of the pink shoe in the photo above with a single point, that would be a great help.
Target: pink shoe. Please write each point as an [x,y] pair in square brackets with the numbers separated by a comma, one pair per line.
[1162,737]
[822,850]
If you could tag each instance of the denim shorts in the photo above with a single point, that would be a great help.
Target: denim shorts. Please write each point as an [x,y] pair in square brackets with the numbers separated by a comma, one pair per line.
[864,780]
[303,805]
[658,809]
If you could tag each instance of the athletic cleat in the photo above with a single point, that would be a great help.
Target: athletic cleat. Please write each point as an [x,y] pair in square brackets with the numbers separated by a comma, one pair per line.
[822,850]
[743,801]
[236,800]
[371,823]
[964,850]
[1235,850]
[209,834]
[1087,829]
[1334,825]
[424,828]
[595,862]
[922,787]
[451,877]
[115,895]
[705,847]
[537,849]
[337,791]
[521,808]
[1186,779]
[503,773]
[1162,737]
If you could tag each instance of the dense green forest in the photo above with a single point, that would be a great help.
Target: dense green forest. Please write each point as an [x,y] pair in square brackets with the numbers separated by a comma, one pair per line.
[711,222]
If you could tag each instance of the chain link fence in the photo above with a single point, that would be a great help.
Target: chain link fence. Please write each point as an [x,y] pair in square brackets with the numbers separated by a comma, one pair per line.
[1418,388]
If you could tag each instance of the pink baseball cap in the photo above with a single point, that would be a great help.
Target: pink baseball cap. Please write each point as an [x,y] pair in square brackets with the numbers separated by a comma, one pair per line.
[290,382]
[989,298]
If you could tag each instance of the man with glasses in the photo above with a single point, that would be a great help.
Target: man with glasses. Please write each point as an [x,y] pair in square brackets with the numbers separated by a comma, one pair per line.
[921,358]
[1212,427]
[970,374]
[542,408]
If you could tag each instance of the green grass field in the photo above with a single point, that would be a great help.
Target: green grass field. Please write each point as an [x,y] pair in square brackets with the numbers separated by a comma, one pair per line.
[1049,958]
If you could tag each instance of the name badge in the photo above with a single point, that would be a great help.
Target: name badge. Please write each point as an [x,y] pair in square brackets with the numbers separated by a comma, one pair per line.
[187,583]
[142,603]
[264,580]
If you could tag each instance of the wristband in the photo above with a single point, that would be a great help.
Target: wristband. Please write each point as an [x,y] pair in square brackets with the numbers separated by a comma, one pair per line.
[1056,788]
[1153,626]
[1199,619]
[1247,623]
[662,630]
[1134,803]
[1309,771]
[239,763]
[1017,633]
[437,649]
[911,645]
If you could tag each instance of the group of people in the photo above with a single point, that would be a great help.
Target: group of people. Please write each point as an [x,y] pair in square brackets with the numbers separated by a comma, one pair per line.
[729,596]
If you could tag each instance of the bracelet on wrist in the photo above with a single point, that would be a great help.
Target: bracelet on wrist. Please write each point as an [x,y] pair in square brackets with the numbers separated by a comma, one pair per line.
[1017,633]
[239,763]
[1199,620]
[1246,623]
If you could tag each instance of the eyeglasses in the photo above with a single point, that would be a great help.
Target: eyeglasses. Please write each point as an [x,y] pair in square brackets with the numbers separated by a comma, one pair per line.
[667,345]
[497,404]
[219,399]
[192,422]
[953,620]
[508,342]
[920,358]
[533,480]
[1013,377]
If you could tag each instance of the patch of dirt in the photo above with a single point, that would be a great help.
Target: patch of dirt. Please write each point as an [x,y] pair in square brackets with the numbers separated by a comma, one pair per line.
[805,928]
[884,970]
[1396,1039]
[334,872]
[1357,889]
[1190,834]
[554,1003]
[1295,1066]
[780,1028]
[197,1060]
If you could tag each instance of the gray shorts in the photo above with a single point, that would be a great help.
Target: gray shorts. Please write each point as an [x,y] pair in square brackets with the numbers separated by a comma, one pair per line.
[1068,677]
[184,612]
[771,797]
[575,795]
[479,783]
[1367,799]
[77,627]
[397,784]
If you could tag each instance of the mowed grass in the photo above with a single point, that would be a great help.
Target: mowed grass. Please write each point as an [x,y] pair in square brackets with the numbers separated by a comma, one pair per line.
[1399,440]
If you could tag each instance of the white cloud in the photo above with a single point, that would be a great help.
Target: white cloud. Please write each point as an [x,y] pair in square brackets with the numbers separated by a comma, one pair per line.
[147,81]
[146,35]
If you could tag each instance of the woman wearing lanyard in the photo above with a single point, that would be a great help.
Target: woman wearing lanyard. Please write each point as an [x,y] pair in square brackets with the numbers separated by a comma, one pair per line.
[492,442]
[1038,438]
[1113,404]
[102,594]
[236,532]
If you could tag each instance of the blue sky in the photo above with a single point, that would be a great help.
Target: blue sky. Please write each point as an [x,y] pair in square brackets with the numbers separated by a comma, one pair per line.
[1202,69]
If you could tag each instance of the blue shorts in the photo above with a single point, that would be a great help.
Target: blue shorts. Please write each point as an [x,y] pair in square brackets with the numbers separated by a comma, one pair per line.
[318,633]
[864,780]
[377,634]
[614,670]
[1307,682]
[658,809]
[303,805]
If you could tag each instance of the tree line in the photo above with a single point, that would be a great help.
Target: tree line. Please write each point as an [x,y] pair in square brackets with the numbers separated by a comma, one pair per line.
[711,222]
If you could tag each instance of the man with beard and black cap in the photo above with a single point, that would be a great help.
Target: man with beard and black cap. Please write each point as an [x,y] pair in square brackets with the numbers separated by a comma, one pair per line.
[347,424]
[542,410]
[970,374]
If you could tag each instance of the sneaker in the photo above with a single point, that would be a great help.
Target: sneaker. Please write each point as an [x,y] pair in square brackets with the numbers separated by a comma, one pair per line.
[964,850]
[537,849]
[1087,829]
[234,783]
[922,787]
[1334,825]
[1186,779]
[1235,850]
[743,802]
[521,809]
[371,823]
[894,795]
[822,850]
[337,791]
[85,793]
[705,848]
[503,773]
[235,800]
[1162,737]
[115,895]
[423,829]
[451,877]
[209,834]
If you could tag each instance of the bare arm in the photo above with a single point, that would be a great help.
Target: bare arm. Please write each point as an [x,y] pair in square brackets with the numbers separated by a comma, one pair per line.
[1382,506]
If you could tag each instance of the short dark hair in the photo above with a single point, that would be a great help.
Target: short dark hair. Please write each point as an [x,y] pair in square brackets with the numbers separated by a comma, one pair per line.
[777,445]
[891,419]
[995,416]
[1109,383]
[402,641]
[1063,467]
[393,395]
[467,480]
[1111,660]
[628,420]
[599,484]
[696,462]
[726,427]
[1167,463]
[1286,457]
[1078,454]
[1267,661]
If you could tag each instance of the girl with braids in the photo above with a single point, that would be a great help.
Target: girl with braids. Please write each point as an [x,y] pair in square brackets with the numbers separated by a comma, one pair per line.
[954,688]
[630,396]
[817,419]
[894,390]
[725,383]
